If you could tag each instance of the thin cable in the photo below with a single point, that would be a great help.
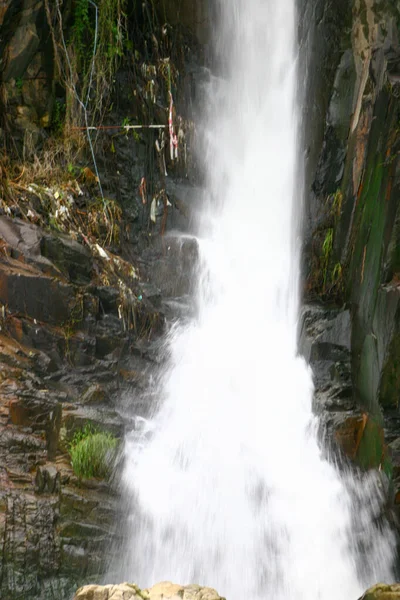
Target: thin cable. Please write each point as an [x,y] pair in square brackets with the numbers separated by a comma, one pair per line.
[126,127]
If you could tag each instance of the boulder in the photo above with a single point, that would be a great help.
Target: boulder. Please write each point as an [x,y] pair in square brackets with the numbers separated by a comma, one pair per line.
[381,591]
[324,342]
[160,591]
[28,292]
[73,259]
[47,480]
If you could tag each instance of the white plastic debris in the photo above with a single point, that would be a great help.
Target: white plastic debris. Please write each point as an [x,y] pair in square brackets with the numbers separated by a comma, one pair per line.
[153,210]
[173,139]
[102,252]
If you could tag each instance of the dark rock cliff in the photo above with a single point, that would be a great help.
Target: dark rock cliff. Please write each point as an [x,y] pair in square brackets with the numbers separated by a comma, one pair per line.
[351,224]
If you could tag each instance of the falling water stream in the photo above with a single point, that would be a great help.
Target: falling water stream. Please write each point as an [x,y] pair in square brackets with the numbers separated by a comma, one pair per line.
[228,483]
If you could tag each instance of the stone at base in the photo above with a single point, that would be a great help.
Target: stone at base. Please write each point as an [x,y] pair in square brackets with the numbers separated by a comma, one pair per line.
[382,591]
[129,591]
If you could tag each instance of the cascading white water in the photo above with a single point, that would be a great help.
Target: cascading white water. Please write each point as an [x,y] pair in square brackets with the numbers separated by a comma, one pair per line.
[229,486]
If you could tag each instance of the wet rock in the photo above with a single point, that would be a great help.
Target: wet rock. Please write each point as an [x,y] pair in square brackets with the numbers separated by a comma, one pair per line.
[108,298]
[52,383]
[26,291]
[29,539]
[322,326]
[325,343]
[39,411]
[73,259]
[394,450]
[386,326]
[152,293]
[47,480]
[95,394]
[173,264]
[348,429]
[110,337]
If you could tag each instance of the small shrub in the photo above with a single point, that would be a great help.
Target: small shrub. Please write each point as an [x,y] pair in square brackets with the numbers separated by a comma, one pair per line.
[92,453]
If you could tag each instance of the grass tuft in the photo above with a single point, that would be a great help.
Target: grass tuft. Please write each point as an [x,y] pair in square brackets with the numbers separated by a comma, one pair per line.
[92,453]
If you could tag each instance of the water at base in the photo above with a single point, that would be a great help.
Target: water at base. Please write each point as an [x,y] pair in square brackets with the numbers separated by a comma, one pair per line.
[227,484]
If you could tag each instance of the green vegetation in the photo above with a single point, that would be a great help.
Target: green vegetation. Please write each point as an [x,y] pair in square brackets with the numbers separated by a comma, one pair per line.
[327,247]
[58,117]
[81,26]
[99,38]
[92,453]
[327,279]
[86,60]
[337,201]
[337,273]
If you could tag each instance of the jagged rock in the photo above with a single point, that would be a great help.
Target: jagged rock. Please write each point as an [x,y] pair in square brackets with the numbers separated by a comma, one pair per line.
[325,342]
[94,395]
[160,591]
[324,327]
[73,259]
[380,355]
[47,480]
[24,240]
[109,299]
[25,290]
[173,263]
[54,254]
[53,383]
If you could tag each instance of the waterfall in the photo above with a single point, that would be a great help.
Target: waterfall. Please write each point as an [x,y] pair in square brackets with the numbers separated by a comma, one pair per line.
[227,483]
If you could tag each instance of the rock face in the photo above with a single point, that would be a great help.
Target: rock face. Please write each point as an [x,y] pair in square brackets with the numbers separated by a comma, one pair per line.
[62,366]
[160,591]
[351,231]
[71,350]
